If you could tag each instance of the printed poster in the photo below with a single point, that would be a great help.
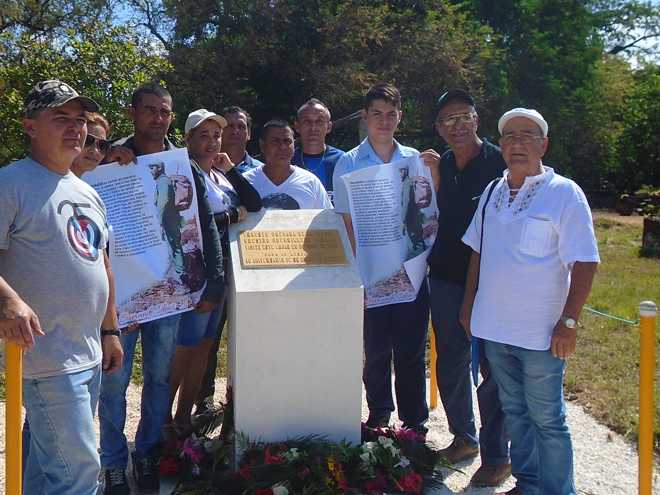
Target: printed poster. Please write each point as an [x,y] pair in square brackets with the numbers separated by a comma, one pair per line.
[395,221]
[155,237]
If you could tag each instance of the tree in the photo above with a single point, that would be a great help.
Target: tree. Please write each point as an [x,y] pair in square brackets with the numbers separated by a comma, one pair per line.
[104,63]
[47,16]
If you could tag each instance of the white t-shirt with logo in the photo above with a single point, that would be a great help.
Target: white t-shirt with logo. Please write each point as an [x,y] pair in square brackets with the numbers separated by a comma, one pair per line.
[302,190]
[529,247]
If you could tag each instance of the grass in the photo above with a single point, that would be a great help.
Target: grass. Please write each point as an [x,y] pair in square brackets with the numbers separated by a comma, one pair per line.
[603,376]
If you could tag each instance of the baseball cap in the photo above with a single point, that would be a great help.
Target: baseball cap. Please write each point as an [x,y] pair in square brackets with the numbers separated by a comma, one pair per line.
[527,113]
[453,95]
[196,118]
[52,94]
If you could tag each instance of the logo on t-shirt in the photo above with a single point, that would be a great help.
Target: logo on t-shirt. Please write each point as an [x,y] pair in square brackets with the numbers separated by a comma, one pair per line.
[83,234]
[280,201]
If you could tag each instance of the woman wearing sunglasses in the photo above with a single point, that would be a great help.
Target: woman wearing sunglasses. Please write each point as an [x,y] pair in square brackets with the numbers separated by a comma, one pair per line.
[98,148]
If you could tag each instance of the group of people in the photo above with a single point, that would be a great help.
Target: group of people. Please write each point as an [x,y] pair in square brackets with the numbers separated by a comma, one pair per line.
[511,267]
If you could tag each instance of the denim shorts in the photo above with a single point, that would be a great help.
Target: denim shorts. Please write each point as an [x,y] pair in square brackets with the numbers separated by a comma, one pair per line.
[196,326]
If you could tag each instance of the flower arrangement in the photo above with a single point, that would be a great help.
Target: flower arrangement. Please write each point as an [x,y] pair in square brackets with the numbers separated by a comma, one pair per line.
[388,461]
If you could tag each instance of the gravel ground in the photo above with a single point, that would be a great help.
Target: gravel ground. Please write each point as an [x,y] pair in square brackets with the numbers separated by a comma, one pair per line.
[605,464]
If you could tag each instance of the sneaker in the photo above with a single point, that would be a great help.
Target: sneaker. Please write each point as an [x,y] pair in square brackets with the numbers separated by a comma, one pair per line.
[116,482]
[460,449]
[375,422]
[421,430]
[491,475]
[514,491]
[146,472]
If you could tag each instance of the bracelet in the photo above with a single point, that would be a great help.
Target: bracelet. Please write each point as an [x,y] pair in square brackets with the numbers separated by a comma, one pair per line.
[115,332]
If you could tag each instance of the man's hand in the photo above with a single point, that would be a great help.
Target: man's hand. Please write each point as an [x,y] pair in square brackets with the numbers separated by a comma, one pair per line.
[563,341]
[204,306]
[222,162]
[120,154]
[113,354]
[431,159]
[18,323]
[464,315]
[242,213]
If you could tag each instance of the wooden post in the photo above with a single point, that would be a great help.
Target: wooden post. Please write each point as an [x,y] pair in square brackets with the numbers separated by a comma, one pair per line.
[647,313]
[13,426]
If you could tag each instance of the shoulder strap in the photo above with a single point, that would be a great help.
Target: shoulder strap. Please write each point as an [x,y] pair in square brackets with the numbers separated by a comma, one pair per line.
[483,213]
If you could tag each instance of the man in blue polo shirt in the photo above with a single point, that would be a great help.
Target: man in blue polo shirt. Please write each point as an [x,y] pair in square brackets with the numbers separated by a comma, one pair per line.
[466,169]
[313,123]
[235,138]
[394,330]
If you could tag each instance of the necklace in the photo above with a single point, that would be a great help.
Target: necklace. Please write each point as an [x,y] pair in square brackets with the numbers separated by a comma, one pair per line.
[302,157]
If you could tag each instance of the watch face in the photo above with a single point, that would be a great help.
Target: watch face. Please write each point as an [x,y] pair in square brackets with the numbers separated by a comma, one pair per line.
[570,323]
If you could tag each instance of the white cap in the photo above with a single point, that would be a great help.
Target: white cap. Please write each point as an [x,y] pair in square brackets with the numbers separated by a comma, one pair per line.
[196,118]
[527,113]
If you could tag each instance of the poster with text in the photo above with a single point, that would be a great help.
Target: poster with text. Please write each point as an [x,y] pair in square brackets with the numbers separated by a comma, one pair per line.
[155,237]
[395,221]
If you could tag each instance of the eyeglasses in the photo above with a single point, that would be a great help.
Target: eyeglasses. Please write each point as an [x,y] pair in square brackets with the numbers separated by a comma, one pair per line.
[463,118]
[103,145]
[523,138]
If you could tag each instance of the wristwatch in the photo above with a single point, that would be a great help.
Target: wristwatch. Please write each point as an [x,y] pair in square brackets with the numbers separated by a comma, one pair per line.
[569,322]
[113,331]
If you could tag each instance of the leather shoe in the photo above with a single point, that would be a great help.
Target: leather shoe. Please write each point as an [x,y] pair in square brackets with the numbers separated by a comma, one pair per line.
[491,475]
[459,450]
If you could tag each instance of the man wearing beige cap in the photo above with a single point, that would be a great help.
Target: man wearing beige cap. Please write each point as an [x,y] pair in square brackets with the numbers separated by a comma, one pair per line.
[534,256]
[55,292]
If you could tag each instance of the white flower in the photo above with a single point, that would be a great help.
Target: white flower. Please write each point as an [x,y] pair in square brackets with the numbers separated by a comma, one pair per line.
[292,454]
[368,446]
[366,457]
[394,452]
[385,442]
[403,463]
[280,490]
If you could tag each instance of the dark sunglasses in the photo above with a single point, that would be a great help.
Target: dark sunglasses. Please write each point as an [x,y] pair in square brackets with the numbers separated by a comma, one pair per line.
[102,144]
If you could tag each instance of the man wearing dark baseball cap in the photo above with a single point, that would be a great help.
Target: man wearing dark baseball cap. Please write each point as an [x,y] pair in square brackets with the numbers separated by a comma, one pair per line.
[466,169]
[53,234]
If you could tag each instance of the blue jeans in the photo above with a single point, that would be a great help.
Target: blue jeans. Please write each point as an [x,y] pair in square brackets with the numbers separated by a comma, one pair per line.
[397,332]
[454,380]
[158,343]
[530,388]
[62,458]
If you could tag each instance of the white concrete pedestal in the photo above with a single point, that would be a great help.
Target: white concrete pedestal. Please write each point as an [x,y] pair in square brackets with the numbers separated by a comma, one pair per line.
[295,339]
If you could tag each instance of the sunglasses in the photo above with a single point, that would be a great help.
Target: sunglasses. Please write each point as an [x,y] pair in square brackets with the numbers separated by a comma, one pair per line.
[103,145]
[463,118]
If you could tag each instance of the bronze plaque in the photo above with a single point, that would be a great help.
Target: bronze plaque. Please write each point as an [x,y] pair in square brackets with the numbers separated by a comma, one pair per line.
[291,248]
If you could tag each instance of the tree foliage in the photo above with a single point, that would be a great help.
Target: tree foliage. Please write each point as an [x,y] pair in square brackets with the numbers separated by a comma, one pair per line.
[106,64]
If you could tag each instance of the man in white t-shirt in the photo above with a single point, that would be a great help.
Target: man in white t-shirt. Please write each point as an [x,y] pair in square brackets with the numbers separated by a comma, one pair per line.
[534,259]
[281,185]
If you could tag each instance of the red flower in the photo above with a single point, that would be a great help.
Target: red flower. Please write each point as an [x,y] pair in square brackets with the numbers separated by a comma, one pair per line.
[263,491]
[411,483]
[408,434]
[168,467]
[244,473]
[376,485]
[272,459]
[304,473]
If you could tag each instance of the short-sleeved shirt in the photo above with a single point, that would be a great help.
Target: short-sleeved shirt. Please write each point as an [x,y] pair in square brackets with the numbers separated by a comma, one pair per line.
[457,197]
[53,230]
[529,248]
[302,190]
[248,163]
[321,165]
[360,157]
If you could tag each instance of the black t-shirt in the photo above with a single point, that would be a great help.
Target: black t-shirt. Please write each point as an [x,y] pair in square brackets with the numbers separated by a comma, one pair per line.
[458,198]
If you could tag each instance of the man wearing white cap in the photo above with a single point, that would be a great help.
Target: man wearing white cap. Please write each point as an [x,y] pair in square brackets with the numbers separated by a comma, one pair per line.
[534,256]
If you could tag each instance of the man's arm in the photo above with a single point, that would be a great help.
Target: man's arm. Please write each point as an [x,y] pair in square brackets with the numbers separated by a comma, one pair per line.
[431,159]
[564,339]
[470,293]
[113,354]
[349,229]
[18,323]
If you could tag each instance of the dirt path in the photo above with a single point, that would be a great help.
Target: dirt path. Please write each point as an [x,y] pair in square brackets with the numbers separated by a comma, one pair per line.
[605,464]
